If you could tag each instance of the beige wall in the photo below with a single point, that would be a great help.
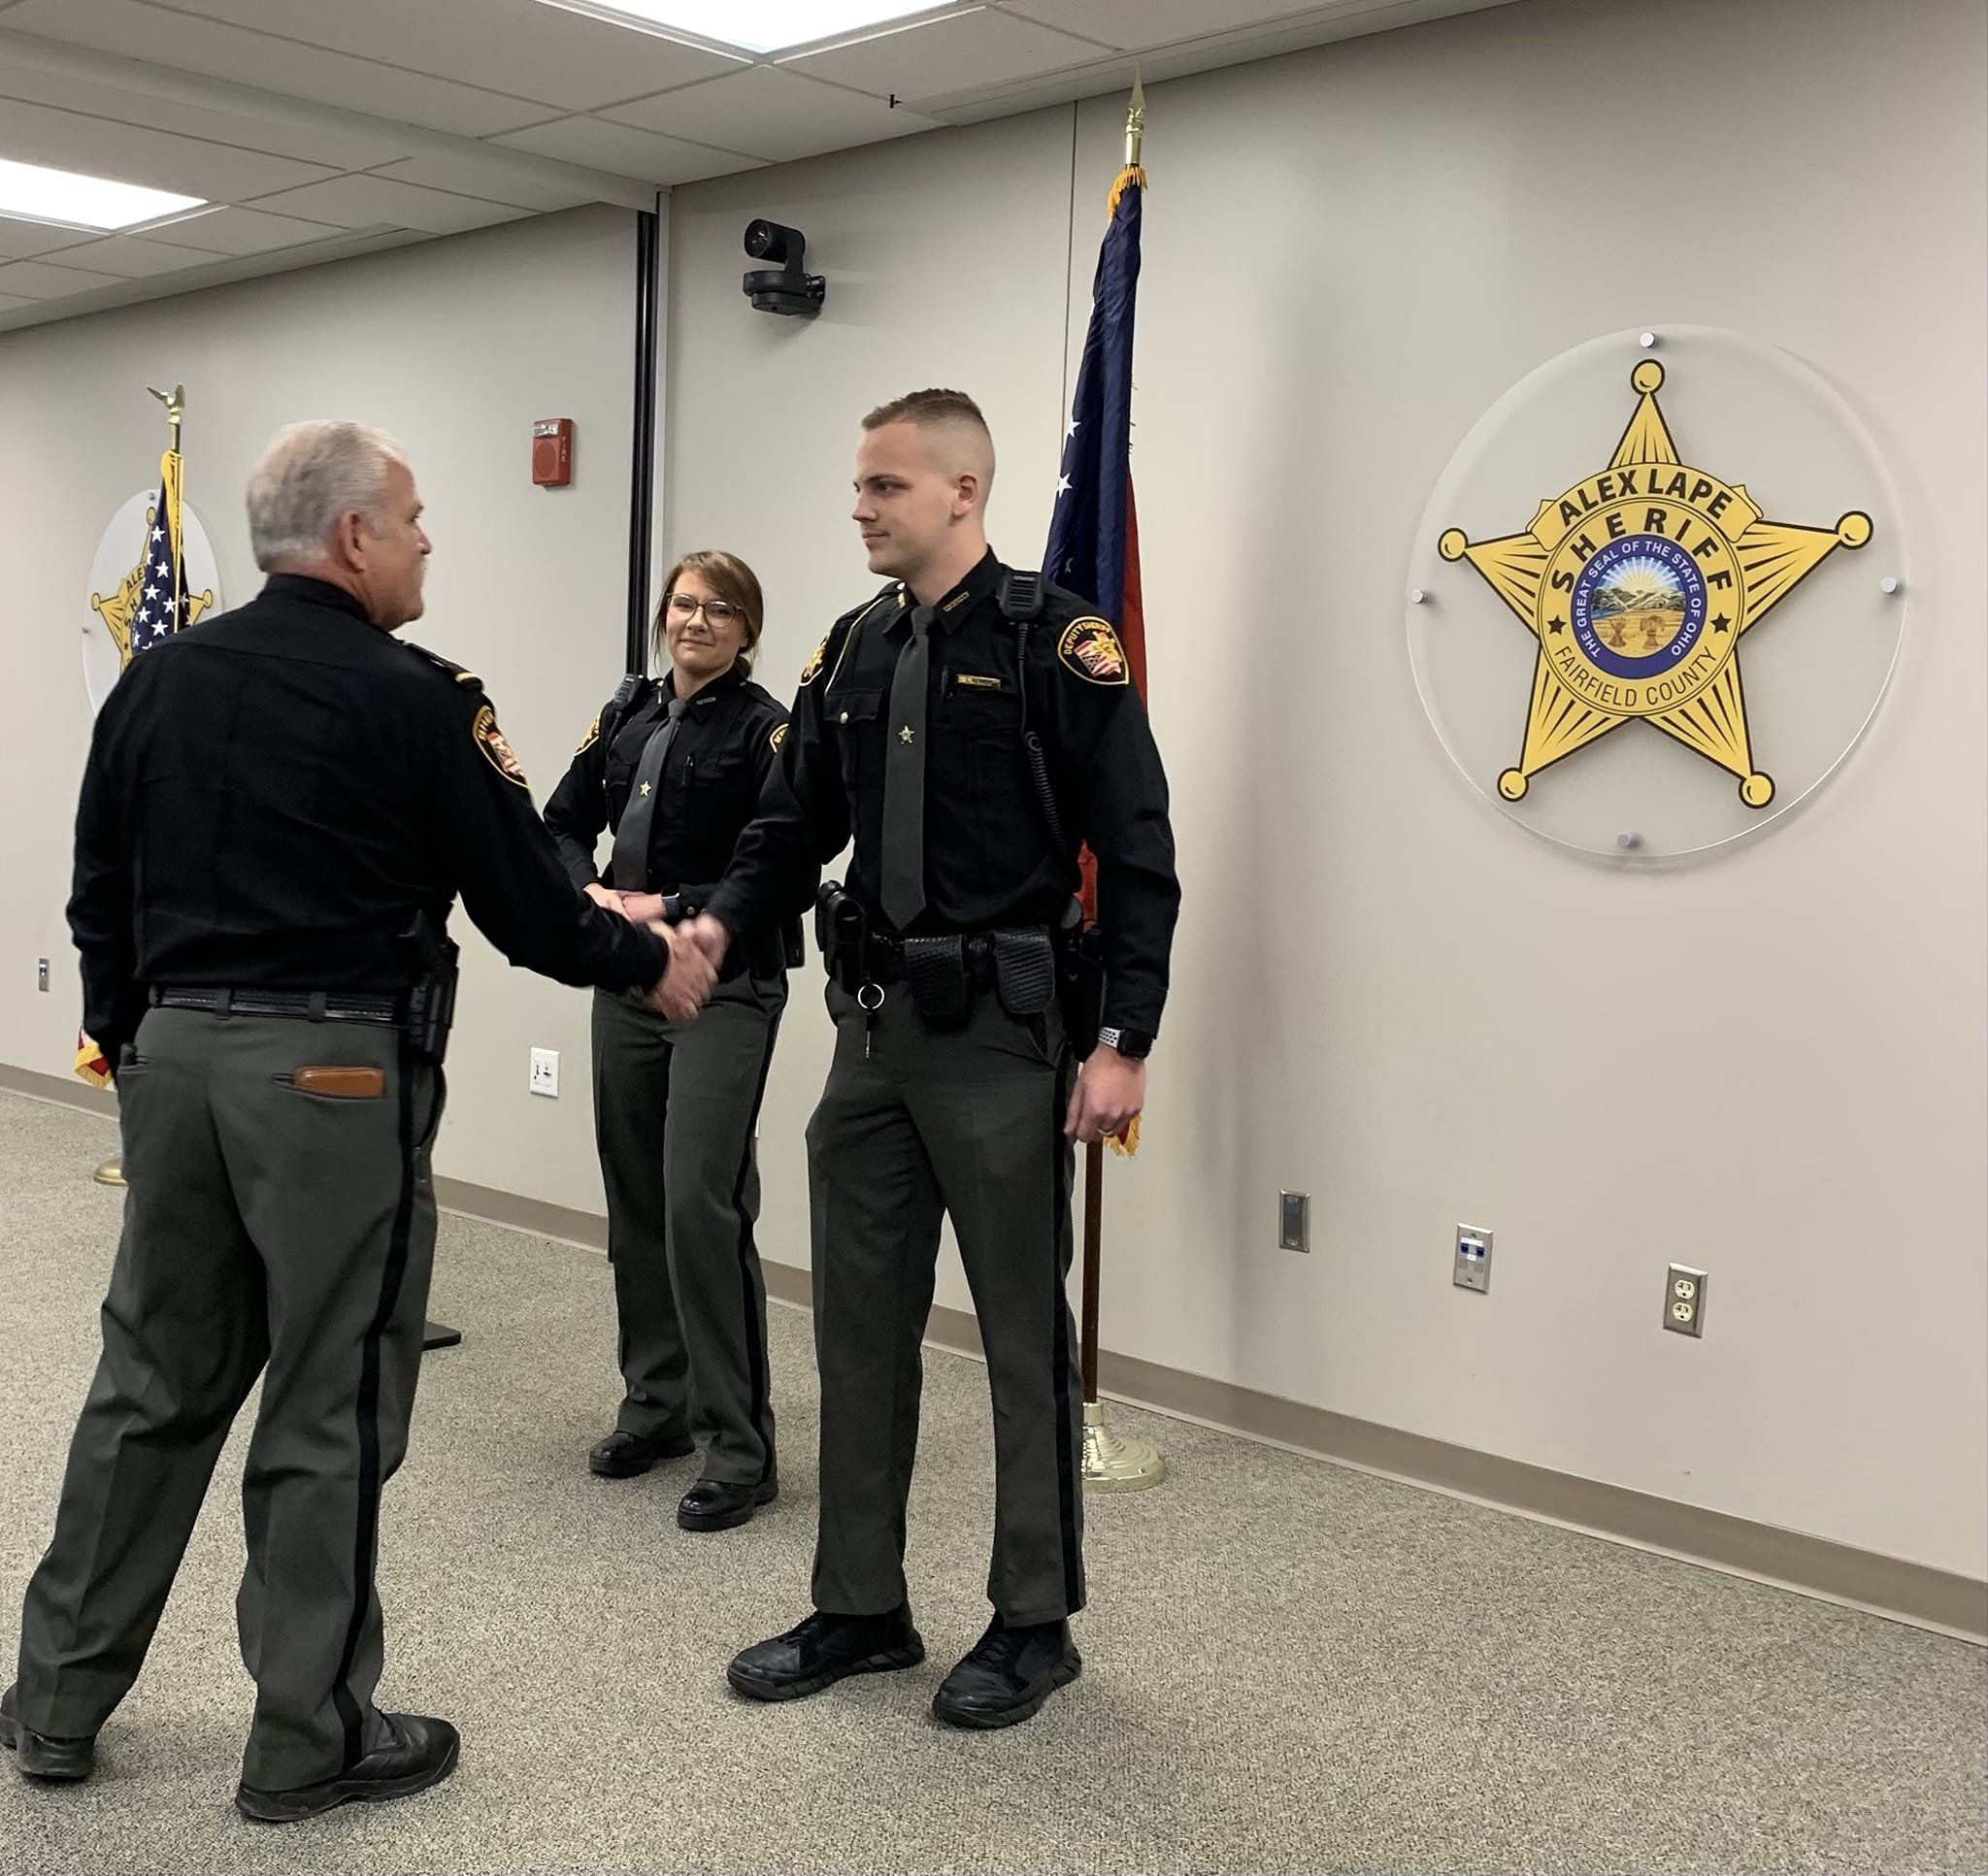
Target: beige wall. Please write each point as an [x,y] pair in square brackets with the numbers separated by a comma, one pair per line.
[456,346]
[1349,256]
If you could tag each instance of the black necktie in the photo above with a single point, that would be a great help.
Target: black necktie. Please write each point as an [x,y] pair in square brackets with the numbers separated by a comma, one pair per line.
[628,869]
[904,776]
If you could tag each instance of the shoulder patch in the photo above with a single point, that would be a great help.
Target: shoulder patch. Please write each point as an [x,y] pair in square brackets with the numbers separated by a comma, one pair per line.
[777,736]
[1091,649]
[592,735]
[812,669]
[497,752]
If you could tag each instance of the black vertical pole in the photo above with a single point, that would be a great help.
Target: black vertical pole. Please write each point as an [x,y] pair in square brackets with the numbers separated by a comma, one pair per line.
[641,477]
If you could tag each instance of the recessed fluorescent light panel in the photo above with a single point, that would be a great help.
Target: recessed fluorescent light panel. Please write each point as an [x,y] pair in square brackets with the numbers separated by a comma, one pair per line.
[753,25]
[31,193]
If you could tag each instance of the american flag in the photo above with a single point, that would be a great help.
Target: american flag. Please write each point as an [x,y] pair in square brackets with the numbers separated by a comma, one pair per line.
[163,599]
[161,611]
[1093,546]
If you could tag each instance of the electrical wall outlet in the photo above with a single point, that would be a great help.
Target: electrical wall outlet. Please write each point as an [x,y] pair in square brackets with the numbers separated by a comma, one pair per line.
[1684,1300]
[1473,1259]
[546,1072]
[40,974]
[1293,1221]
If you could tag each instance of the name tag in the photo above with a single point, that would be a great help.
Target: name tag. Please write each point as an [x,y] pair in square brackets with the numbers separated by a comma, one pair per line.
[967,681]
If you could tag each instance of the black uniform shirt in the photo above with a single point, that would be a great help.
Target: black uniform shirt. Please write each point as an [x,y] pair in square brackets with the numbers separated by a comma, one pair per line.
[716,766]
[990,859]
[271,797]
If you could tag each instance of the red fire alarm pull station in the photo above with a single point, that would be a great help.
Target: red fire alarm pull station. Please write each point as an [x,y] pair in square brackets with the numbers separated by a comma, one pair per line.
[553,452]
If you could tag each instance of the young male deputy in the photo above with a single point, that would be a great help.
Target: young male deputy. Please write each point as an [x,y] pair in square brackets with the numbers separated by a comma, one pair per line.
[970,751]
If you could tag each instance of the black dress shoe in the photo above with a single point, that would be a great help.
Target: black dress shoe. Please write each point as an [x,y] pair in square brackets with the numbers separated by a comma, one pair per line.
[1007,1675]
[628,1456]
[717,1504]
[823,1650]
[413,1753]
[40,1754]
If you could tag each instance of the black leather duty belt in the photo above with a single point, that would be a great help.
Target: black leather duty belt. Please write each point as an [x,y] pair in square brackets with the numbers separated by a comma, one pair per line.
[313,1005]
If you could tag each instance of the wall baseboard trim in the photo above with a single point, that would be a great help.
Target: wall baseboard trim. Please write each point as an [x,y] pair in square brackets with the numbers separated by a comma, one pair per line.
[1893,1586]
[62,1090]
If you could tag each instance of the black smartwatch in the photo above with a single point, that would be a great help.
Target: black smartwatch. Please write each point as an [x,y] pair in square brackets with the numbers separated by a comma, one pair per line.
[1134,1043]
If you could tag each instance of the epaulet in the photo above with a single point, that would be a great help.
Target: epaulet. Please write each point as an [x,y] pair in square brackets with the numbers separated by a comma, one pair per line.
[454,672]
[490,739]
[843,631]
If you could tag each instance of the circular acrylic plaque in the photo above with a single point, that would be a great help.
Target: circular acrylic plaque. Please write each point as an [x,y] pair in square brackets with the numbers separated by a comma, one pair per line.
[1658,593]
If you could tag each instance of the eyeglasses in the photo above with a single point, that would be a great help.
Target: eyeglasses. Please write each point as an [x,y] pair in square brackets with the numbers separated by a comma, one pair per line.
[717,612]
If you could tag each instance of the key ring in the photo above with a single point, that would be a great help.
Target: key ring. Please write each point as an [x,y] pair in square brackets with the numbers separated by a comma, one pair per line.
[865,990]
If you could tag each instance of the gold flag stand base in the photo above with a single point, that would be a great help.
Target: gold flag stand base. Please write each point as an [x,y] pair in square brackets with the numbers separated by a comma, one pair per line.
[1114,1465]
[110,1173]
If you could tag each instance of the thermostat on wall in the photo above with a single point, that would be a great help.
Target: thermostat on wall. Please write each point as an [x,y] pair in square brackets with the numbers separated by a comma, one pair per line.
[553,452]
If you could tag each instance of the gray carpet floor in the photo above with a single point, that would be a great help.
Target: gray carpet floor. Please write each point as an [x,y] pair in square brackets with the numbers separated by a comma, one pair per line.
[1290,1666]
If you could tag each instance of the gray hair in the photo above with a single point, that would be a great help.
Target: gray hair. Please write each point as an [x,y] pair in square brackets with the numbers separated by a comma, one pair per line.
[310,474]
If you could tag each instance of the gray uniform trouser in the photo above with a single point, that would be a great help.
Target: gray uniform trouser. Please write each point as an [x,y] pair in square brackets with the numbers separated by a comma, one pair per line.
[272,1232]
[674,1109]
[969,1124]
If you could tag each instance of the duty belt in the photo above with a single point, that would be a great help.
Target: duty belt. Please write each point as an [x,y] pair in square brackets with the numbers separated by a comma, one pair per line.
[313,1006]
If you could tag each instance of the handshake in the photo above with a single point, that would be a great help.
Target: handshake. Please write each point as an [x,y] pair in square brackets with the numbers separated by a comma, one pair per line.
[697,948]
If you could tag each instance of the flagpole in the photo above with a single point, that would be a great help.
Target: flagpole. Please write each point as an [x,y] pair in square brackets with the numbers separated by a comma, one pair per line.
[1110,1461]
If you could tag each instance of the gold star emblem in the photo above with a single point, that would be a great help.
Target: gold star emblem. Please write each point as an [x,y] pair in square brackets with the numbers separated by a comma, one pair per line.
[1638,584]
[905,734]
[644,791]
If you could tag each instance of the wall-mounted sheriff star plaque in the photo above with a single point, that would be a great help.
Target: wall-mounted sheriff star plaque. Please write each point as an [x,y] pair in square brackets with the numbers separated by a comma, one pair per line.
[1638,583]
[1741,489]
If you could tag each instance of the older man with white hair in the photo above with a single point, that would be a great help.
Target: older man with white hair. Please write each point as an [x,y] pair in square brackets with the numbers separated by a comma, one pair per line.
[279,806]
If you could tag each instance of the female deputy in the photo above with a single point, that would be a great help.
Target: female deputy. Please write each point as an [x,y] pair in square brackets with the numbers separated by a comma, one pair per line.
[674,767]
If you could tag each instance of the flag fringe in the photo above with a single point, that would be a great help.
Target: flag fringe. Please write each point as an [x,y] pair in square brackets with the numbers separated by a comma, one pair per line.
[1132,177]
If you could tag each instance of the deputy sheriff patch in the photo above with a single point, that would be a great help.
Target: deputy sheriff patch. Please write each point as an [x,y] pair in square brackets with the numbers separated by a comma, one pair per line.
[592,735]
[777,736]
[497,752]
[812,669]
[1091,649]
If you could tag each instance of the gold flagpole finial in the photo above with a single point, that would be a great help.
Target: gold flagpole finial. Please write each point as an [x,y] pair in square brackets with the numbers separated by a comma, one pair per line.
[1135,121]
[175,402]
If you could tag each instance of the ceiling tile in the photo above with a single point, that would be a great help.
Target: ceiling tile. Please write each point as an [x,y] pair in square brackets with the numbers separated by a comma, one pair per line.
[951,53]
[518,47]
[239,231]
[774,114]
[1134,25]
[18,239]
[190,44]
[95,98]
[132,258]
[625,150]
[369,201]
[30,133]
[494,181]
[41,279]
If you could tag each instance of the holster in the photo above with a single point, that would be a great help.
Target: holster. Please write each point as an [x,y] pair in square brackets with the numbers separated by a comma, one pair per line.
[1080,985]
[841,934]
[431,1004]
